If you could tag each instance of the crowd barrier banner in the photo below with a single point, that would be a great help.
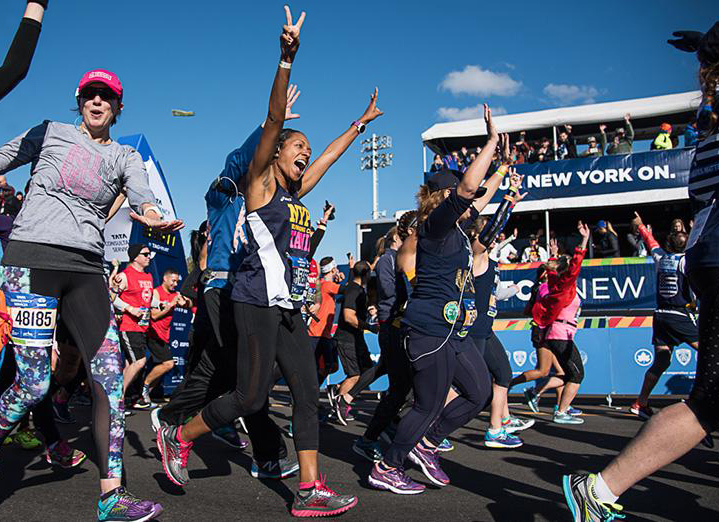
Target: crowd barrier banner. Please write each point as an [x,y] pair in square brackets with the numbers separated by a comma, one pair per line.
[616,352]
[604,175]
[121,231]
[603,284]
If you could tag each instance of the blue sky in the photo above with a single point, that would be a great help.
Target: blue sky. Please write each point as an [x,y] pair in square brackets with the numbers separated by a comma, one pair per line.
[431,61]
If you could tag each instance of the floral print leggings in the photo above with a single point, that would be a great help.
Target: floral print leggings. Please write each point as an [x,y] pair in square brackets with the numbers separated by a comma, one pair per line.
[84,307]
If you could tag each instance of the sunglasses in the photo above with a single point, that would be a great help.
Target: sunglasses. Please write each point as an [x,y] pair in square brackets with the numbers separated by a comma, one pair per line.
[105,93]
[146,254]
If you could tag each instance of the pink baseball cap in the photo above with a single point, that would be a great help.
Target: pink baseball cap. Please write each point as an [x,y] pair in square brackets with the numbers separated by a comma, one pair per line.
[103,76]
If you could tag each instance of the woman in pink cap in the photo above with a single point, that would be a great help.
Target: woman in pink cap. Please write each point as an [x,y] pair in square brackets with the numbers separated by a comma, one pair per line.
[54,263]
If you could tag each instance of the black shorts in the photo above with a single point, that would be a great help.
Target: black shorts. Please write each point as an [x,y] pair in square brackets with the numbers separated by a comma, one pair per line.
[325,352]
[159,349]
[674,329]
[134,345]
[354,356]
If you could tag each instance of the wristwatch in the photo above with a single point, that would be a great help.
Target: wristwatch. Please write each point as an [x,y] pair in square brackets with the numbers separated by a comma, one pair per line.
[359,126]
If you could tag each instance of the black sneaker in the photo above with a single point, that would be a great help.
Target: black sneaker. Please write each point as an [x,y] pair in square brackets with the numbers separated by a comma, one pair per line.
[342,410]
[174,455]
[321,501]
[369,449]
[61,412]
[274,469]
[583,502]
[332,394]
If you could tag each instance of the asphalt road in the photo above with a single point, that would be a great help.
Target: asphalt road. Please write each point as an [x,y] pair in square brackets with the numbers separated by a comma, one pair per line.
[516,485]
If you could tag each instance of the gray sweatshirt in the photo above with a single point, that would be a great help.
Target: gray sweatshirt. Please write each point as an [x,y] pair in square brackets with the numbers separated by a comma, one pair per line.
[73,185]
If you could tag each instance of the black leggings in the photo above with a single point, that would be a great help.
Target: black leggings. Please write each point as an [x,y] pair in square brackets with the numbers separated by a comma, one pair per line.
[266,335]
[497,362]
[399,373]
[458,364]
[84,307]
[213,373]
[569,359]
[704,397]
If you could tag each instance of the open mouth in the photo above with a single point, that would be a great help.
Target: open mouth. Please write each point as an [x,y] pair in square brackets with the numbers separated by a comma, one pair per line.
[301,164]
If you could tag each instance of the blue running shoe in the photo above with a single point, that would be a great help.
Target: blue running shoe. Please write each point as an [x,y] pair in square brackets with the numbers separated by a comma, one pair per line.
[121,506]
[532,399]
[583,502]
[574,412]
[566,418]
[445,446]
[502,440]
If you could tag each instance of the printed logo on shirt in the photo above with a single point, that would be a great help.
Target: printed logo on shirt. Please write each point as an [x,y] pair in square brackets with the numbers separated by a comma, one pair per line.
[299,227]
[83,172]
[460,277]
[683,355]
[146,290]
[451,312]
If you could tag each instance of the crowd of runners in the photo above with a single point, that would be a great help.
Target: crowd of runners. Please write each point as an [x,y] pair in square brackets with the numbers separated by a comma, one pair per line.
[263,308]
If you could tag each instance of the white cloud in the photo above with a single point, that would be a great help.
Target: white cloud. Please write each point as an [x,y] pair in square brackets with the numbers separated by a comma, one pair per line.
[567,94]
[466,113]
[480,82]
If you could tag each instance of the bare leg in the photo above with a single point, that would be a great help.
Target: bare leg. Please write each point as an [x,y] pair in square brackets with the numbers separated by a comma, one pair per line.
[131,371]
[157,372]
[650,377]
[195,428]
[308,465]
[553,382]
[346,386]
[451,395]
[544,362]
[570,391]
[499,405]
[559,373]
[664,438]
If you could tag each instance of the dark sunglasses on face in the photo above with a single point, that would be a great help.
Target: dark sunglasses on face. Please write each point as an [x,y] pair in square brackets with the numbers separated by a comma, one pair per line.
[146,254]
[105,93]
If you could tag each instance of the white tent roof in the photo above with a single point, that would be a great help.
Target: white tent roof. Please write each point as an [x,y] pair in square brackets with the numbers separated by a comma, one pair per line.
[583,114]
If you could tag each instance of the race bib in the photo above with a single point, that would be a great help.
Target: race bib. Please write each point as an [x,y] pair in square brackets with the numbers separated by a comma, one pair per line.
[300,271]
[33,318]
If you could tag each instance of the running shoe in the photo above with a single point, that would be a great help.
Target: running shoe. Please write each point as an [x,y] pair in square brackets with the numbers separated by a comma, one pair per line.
[321,501]
[516,424]
[643,412]
[342,410]
[61,412]
[229,435]
[332,394]
[61,454]
[389,433]
[502,439]
[428,461]
[394,480]
[571,410]
[121,506]
[26,439]
[583,502]
[129,413]
[174,455]
[566,418]
[532,399]
[157,423]
[143,404]
[274,469]
[445,446]
[371,450]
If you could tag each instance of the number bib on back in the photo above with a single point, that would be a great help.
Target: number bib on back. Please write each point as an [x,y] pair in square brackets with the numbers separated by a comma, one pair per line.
[300,272]
[33,318]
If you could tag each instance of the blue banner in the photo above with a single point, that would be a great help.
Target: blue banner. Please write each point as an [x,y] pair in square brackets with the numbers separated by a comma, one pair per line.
[604,175]
[627,286]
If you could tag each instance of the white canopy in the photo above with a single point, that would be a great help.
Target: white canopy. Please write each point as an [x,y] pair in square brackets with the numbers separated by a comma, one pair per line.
[656,106]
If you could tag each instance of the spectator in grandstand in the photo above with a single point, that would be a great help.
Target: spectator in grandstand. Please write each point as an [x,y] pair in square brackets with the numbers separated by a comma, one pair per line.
[606,242]
[534,252]
[663,141]
[503,250]
[593,148]
[678,226]
[566,145]
[634,238]
[691,135]
[623,138]
[436,164]
[544,152]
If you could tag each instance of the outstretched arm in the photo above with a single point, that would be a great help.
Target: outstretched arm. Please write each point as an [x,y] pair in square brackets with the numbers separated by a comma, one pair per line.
[259,180]
[478,169]
[22,49]
[317,169]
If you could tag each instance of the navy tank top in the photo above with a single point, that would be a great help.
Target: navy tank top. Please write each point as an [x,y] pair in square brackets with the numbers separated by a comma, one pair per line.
[275,269]
[673,290]
[485,287]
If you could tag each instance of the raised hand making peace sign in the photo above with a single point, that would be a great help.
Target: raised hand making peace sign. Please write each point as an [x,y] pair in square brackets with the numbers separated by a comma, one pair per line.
[290,37]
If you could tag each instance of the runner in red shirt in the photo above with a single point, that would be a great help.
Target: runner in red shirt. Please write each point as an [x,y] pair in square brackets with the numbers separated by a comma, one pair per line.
[133,287]
[164,301]
[320,329]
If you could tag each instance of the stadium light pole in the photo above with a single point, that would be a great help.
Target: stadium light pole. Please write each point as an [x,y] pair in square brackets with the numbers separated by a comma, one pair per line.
[376,160]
